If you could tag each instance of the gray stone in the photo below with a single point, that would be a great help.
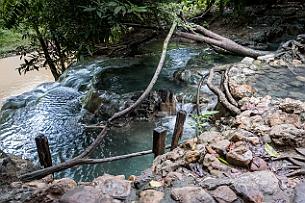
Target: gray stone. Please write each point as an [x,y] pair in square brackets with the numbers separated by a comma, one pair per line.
[299,196]
[256,186]
[247,61]
[191,194]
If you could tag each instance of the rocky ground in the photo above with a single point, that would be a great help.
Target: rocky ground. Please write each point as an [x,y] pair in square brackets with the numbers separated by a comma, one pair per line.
[256,156]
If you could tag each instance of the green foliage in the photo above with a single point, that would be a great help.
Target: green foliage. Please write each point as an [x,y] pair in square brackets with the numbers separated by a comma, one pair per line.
[201,120]
[11,40]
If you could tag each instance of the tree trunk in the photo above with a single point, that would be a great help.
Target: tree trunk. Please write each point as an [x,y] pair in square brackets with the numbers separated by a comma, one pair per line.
[201,34]
[46,53]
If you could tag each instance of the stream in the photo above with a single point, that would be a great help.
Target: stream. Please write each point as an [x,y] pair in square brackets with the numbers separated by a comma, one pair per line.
[55,110]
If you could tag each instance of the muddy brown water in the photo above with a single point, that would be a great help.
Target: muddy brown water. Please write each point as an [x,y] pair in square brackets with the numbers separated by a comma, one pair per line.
[12,84]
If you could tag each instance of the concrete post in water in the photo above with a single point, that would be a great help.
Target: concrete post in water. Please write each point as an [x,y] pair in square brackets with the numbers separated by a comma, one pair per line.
[159,136]
[178,131]
[43,150]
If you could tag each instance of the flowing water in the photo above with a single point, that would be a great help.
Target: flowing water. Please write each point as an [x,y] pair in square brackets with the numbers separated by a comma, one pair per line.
[55,109]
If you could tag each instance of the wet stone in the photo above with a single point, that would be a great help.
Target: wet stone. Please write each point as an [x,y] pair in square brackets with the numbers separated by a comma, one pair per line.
[224,194]
[191,194]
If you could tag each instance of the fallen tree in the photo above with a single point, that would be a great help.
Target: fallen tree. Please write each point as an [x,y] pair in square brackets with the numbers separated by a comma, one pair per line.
[200,34]
[83,157]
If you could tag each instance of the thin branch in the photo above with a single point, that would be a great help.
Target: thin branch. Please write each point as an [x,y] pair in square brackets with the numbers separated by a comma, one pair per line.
[153,80]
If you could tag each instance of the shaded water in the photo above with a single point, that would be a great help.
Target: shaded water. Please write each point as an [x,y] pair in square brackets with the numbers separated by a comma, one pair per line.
[281,82]
[54,109]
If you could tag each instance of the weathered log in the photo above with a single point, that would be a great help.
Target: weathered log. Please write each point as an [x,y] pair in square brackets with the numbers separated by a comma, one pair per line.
[159,136]
[178,130]
[43,150]
[201,34]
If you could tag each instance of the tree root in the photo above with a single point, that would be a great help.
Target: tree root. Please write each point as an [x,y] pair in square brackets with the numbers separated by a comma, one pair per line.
[221,96]
[227,89]
[81,159]
[203,77]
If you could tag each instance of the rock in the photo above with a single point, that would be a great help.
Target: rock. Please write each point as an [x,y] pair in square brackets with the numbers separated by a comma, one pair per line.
[210,137]
[192,156]
[92,101]
[287,135]
[13,166]
[258,164]
[247,61]
[212,183]
[191,194]
[114,186]
[223,194]
[214,166]
[243,135]
[151,196]
[241,91]
[38,184]
[292,106]
[256,186]
[239,156]
[82,194]
[65,183]
[221,146]
[299,196]
[266,58]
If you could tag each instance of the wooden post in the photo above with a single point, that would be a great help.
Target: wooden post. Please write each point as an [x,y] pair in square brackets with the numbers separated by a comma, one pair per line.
[178,131]
[43,150]
[159,136]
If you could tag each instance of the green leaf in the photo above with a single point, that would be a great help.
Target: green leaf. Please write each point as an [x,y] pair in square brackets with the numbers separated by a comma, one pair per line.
[117,10]
[223,161]
[271,151]
[89,9]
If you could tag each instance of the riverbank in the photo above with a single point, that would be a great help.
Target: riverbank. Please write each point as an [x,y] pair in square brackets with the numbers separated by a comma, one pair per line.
[13,84]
